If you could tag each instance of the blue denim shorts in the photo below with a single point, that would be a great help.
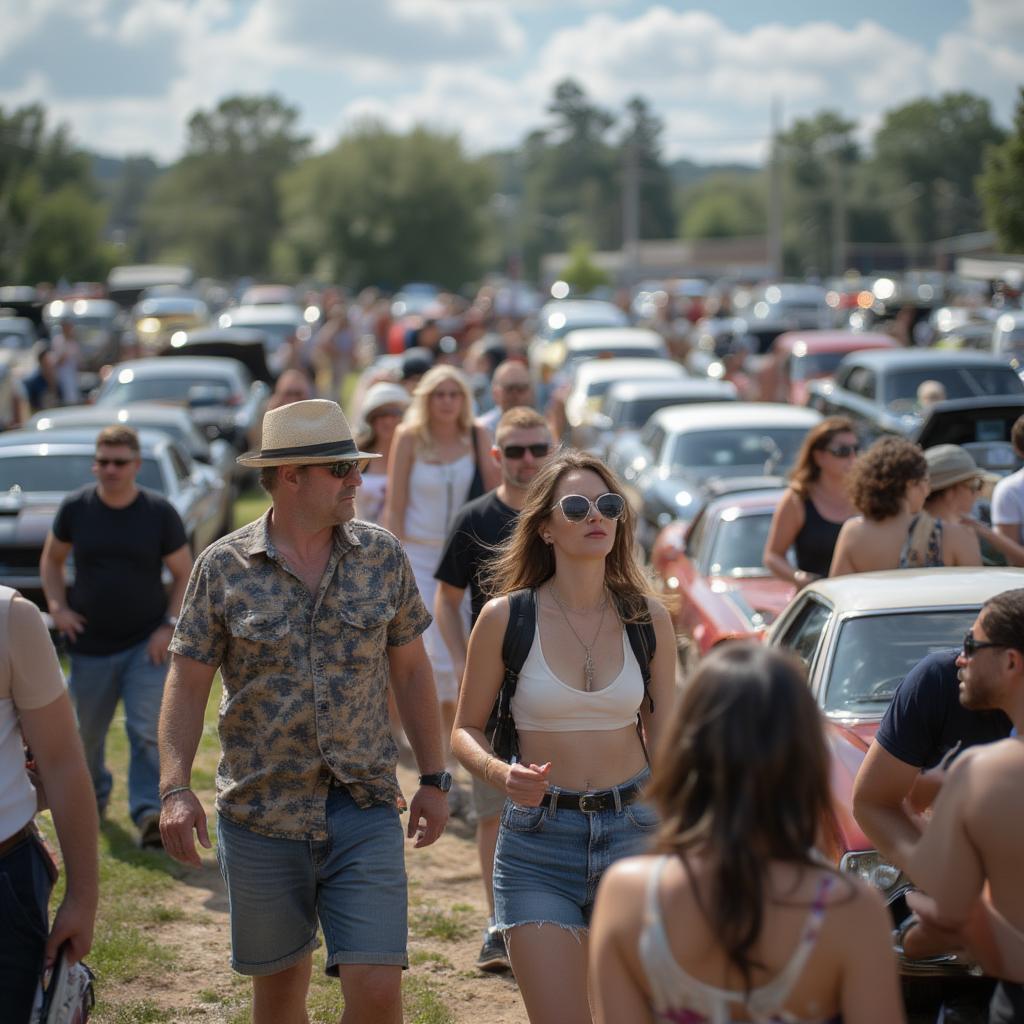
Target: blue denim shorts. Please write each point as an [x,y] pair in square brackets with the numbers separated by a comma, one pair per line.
[353,882]
[549,861]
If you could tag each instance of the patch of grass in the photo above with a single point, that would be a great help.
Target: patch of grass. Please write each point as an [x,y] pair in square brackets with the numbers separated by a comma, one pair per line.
[123,953]
[419,957]
[164,915]
[209,995]
[423,1004]
[251,504]
[141,1011]
[436,924]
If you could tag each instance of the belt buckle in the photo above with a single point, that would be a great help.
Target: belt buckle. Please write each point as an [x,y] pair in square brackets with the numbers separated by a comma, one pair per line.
[590,802]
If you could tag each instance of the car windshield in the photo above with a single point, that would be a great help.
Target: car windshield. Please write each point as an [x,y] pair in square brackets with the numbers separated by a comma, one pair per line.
[1012,341]
[959,382]
[276,333]
[727,450]
[815,364]
[63,473]
[636,412]
[738,546]
[874,652]
[611,352]
[172,305]
[166,389]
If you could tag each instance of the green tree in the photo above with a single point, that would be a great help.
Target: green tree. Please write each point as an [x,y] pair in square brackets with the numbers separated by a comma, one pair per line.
[643,134]
[218,207]
[1001,185]
[723,206]
[65,238]
[581,273]
[384,208]
[937,146]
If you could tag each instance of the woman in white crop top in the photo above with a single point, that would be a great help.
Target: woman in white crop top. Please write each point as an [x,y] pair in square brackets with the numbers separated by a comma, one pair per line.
[574,799]
[736,918]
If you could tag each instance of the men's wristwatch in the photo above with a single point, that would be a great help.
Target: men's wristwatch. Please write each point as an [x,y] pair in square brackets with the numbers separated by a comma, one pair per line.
[442,780]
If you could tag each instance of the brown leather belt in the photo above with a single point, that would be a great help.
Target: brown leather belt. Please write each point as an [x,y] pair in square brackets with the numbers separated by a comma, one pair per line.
[12,841]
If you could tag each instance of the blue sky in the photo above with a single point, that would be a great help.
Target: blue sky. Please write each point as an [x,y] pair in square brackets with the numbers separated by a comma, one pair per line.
[126,74]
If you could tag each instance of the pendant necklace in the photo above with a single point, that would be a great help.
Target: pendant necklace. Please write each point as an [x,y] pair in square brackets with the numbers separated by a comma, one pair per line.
[588,661]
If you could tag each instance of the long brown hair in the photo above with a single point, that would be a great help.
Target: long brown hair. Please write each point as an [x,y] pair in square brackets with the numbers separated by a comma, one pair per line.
[742,776]
[806,469]
[526,561]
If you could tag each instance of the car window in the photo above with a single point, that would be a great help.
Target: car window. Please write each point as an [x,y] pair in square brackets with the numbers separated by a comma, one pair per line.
[173,389]
[874,652]
[803,636]
[738,546]
[181,469]
[958,381]
[861,381]
[725,449]
[653,437]
[695,535]
[63,473]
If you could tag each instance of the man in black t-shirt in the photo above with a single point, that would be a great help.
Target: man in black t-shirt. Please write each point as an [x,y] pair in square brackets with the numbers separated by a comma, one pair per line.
[117,618]
[925,723]
[522,443]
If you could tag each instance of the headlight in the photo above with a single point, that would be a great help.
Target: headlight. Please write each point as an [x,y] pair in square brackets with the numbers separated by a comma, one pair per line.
[869,865]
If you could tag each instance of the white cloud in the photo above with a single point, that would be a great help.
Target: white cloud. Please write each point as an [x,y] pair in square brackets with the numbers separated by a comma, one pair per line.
[998,20]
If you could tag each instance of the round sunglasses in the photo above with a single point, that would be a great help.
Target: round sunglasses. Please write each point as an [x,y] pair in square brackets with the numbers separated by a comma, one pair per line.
[843,451]
[576,508]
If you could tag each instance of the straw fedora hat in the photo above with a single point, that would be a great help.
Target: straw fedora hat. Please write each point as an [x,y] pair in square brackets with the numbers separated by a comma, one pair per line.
[308,433]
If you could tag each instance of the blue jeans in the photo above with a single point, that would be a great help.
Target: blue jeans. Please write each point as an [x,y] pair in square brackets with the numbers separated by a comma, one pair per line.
[354,882]
[97,682]
[25,883]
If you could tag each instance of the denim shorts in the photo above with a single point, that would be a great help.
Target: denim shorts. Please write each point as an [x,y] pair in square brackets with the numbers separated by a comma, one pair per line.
[549,861]
[353,882]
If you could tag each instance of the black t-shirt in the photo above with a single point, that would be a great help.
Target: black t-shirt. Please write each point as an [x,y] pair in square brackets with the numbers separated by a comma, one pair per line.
[479,527]
[118,555]
[926,718]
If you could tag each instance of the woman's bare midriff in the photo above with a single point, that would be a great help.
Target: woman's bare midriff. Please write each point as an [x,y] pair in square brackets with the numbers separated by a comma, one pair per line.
[588,760]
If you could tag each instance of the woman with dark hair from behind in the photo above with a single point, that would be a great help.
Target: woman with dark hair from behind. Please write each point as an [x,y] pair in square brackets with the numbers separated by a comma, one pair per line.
[815,505]
[888,485]
[576,799]
[734,916]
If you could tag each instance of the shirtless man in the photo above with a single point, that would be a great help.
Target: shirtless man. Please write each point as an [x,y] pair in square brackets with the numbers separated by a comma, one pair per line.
[974,843]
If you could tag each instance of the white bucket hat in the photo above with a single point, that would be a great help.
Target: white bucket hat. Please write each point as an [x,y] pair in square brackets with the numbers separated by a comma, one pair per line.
[382,394]
[308,433]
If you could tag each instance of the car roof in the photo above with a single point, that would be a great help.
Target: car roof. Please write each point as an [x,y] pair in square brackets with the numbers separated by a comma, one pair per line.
[178,366]
[715,415]
[916,588]
[76,437]
[609,369]
[626,390]
[894,359]
[833,341]
[607,337]
[59,308]
[102,415]
[262,313]
[761,499]
[583,309]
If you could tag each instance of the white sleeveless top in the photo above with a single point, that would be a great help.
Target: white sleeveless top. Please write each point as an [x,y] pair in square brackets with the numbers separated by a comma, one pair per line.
[543,703]
[370,497]
[436,492]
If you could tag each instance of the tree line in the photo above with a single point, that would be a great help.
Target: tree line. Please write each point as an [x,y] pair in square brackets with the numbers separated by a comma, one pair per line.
[249,197]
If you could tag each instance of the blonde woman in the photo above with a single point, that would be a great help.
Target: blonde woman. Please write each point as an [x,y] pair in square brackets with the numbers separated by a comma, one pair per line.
[438,460]
[575,799]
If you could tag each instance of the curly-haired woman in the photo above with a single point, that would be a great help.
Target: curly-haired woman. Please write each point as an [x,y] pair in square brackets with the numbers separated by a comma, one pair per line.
[888,485]
[575,800]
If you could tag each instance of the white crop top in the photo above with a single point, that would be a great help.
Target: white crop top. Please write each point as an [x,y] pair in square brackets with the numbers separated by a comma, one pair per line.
[543,703]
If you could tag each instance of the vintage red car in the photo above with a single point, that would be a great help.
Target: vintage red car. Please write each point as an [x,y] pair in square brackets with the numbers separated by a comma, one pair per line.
[798,357]
[859,635]
[713,566]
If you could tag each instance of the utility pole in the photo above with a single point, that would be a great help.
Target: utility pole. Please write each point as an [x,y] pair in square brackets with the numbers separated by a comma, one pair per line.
[631,211]
[775,193]
[838,212]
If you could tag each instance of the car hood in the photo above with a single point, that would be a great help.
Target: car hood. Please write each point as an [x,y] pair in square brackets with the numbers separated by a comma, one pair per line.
[847,746]
[763,594]
[25,519]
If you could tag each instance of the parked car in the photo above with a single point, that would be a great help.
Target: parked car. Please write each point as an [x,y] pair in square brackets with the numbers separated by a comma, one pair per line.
[630,404]
[126,284]
[774,309]
[878,390]
[268,295]
[154,320]
[859,635]
[277,323]
[98,325]
[695,444]
[714,568]
[590,383]
[245,344]
[222,398]
[981,425]
[798,357]
[1008,337]
[36,471]
[217,456]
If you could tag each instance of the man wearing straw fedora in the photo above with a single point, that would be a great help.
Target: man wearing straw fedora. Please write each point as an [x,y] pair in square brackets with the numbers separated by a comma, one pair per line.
[310,615]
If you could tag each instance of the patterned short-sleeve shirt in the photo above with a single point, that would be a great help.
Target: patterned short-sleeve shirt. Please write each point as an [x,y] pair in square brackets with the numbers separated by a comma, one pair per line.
[304,675]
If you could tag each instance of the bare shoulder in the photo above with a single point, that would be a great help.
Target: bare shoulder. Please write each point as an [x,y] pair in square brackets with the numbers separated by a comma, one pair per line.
[493,616]
[660,616]
[24,617]
[626,880]
[855,904]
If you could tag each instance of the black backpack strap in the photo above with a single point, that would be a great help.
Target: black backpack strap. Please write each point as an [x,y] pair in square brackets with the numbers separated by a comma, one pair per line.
[515,646]
[644,643]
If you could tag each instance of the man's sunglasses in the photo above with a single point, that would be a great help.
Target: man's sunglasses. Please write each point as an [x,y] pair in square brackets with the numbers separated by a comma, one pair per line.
[576,508]
[843,451]
[103,463]
[972,646]
[517,451]
[340,470]
[517,388]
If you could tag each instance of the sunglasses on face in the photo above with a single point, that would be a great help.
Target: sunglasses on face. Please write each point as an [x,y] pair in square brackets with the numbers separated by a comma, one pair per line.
[976,484]
[517,388]
[972,646]
[843,451]
[340,470]
[517,451]
[576,508]
[388,410]
[120,463]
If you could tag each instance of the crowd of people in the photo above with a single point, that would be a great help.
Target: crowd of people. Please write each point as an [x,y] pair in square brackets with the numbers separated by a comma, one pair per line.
[459,590]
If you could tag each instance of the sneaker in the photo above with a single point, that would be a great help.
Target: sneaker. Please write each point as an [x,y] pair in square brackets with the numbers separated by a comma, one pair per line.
[149,832]
[493,956]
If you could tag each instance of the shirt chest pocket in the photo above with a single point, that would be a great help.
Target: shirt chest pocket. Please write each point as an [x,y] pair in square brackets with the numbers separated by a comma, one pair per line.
[364,628]
[252,627]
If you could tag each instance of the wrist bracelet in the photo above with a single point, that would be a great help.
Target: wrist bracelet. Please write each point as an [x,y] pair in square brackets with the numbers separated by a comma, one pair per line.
[173,790]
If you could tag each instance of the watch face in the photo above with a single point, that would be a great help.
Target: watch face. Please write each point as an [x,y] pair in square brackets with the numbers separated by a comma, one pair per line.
[442,780]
